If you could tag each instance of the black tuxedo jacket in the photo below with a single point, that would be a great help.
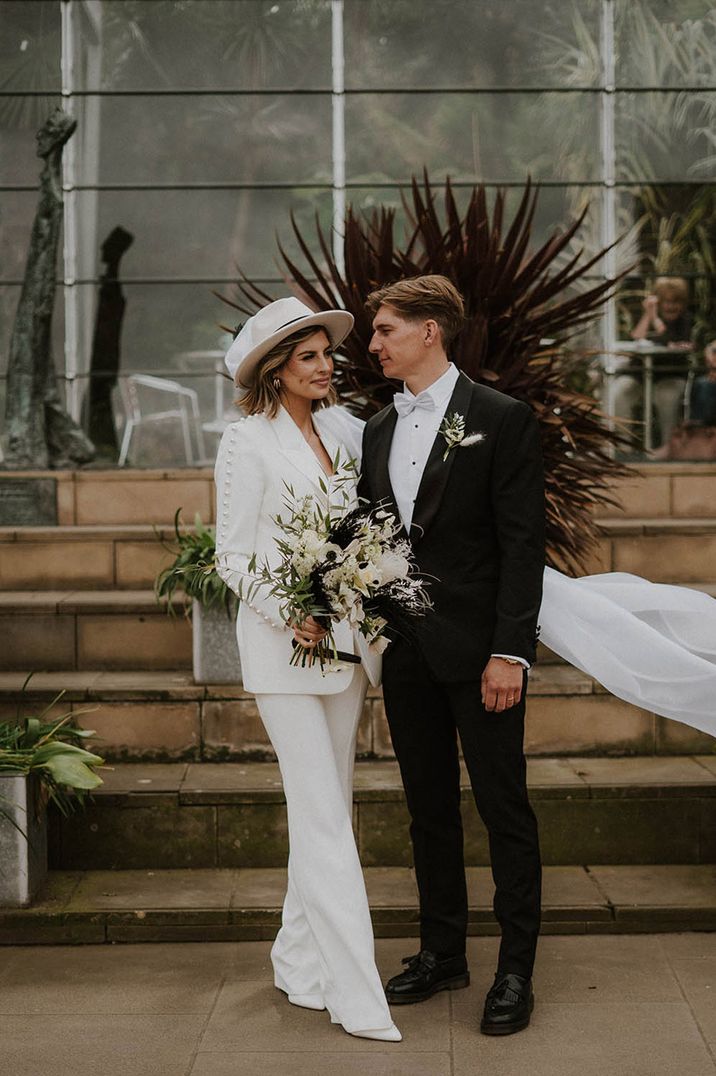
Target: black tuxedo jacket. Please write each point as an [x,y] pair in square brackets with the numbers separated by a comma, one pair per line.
[477,531]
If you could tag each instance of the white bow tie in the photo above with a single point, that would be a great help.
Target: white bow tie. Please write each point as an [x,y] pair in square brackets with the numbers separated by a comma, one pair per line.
[405,405]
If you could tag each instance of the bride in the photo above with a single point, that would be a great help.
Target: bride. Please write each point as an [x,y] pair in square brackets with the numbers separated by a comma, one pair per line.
[651,644]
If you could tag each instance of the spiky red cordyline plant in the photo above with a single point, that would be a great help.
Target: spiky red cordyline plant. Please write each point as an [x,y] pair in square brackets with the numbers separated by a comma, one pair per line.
[515,297]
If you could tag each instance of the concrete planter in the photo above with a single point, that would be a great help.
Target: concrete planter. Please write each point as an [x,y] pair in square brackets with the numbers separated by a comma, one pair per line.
[23,859]
[215,651]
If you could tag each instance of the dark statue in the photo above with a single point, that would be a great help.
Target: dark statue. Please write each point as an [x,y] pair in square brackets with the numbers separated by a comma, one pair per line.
[104,365]
[39,432]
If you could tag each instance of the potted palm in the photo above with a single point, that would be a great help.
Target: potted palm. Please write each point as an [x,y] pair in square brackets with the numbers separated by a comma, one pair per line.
[40,761]
[207,599]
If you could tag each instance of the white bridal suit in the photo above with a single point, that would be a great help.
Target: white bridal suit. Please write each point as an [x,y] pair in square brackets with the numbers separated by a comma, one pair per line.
[323,955]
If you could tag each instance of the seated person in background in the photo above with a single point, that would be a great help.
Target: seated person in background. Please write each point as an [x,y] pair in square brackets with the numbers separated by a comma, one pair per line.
[695,439]
[665,321]
[702,402]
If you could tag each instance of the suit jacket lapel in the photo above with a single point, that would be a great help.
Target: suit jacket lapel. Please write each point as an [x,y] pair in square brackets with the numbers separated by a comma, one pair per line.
[437,471]
[378,462]
[293,446]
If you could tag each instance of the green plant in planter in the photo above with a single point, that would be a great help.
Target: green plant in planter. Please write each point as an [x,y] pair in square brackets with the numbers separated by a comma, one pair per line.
[193,570]
[52,750]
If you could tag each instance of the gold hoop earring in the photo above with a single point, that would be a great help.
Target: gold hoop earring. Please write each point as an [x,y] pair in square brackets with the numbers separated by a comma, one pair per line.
[277,384]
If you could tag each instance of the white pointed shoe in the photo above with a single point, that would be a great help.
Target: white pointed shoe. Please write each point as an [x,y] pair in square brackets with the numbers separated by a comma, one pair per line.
[383,1034]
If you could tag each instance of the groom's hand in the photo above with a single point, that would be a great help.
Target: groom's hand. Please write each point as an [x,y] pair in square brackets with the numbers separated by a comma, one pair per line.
[501,685]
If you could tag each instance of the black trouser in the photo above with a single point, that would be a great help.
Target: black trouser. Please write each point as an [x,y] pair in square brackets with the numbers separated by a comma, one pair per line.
[425,716]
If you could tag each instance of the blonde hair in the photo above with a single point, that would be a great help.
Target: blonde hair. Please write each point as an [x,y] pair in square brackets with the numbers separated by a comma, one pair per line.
[672,287]
[262,397]
[423,297]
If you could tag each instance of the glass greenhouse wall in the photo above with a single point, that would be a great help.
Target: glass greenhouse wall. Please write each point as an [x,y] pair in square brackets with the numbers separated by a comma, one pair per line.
[204,124]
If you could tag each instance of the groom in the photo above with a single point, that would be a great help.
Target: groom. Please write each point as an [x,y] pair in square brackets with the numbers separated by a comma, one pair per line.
[474,512]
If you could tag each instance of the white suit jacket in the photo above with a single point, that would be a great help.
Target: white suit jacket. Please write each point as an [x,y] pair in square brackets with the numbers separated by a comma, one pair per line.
[258,457]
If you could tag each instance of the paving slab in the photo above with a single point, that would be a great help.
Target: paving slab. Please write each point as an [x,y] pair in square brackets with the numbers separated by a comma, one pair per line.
[632,1006]
[709,761]
[391,1060]
[697,980]
[556,773]
[632,776]
[249,1016]
[144,778]
[659,886]
[113,1045]
[623,1037]
[391,887]
[605,968]
[149,889]
[108,979]
[232,782]
[260,888]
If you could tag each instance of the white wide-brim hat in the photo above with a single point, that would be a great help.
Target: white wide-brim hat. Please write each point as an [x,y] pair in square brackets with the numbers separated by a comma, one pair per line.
[272,324]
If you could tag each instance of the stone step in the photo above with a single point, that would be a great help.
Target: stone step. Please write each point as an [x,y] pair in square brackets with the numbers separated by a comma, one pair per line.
[85,557]
[89,496]
[113,629]
[97,906]
[91,630]
[164,716]
[232,815]
[129,556]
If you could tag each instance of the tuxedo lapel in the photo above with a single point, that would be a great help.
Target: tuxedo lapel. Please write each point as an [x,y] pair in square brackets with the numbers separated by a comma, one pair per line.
[437,470]
[377,464]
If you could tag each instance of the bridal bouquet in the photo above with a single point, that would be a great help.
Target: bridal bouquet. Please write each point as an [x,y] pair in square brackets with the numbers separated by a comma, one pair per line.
[337,564]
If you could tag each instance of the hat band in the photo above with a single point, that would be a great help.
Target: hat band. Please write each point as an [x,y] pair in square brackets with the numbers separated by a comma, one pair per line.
[299,318]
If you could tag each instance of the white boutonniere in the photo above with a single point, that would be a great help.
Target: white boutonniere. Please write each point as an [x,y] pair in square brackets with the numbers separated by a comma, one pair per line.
[453,430]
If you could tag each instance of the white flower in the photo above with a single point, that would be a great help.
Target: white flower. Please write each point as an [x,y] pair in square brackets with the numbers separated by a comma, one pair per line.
[453,431]
[392,565]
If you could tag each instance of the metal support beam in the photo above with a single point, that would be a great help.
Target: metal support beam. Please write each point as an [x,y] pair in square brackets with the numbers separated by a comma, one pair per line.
[69,178]
[339,133]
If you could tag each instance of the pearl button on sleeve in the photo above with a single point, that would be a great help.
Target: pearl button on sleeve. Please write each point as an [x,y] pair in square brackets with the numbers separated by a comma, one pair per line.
[239,494]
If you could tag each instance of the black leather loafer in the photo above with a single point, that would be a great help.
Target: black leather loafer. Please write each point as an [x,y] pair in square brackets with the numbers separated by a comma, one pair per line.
[508,1005]
[424,976]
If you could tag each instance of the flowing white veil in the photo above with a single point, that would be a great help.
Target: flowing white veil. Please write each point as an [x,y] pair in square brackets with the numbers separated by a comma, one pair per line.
[652,644]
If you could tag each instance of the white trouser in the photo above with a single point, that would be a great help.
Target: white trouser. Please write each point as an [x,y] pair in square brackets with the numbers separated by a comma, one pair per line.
[324,951]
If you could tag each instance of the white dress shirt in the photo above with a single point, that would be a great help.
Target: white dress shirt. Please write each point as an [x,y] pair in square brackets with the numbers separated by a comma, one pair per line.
[413,437]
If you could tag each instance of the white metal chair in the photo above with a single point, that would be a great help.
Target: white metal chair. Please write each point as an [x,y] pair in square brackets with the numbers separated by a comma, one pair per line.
[223,415]
[186,412]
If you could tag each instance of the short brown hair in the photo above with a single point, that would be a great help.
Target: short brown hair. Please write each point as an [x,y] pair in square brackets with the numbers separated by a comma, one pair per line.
[672,287]
[262,397]
[423,297]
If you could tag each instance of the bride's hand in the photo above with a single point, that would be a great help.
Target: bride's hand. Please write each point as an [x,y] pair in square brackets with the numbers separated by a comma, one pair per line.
[309,633]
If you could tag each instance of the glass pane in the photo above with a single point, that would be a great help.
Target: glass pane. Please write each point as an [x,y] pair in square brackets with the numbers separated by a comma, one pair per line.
[498,138]
[30,48]
[665,136]
[674,235]
[198,234]
[665,42]
[144,44]
[210,139]
[463,43]
[556,208]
